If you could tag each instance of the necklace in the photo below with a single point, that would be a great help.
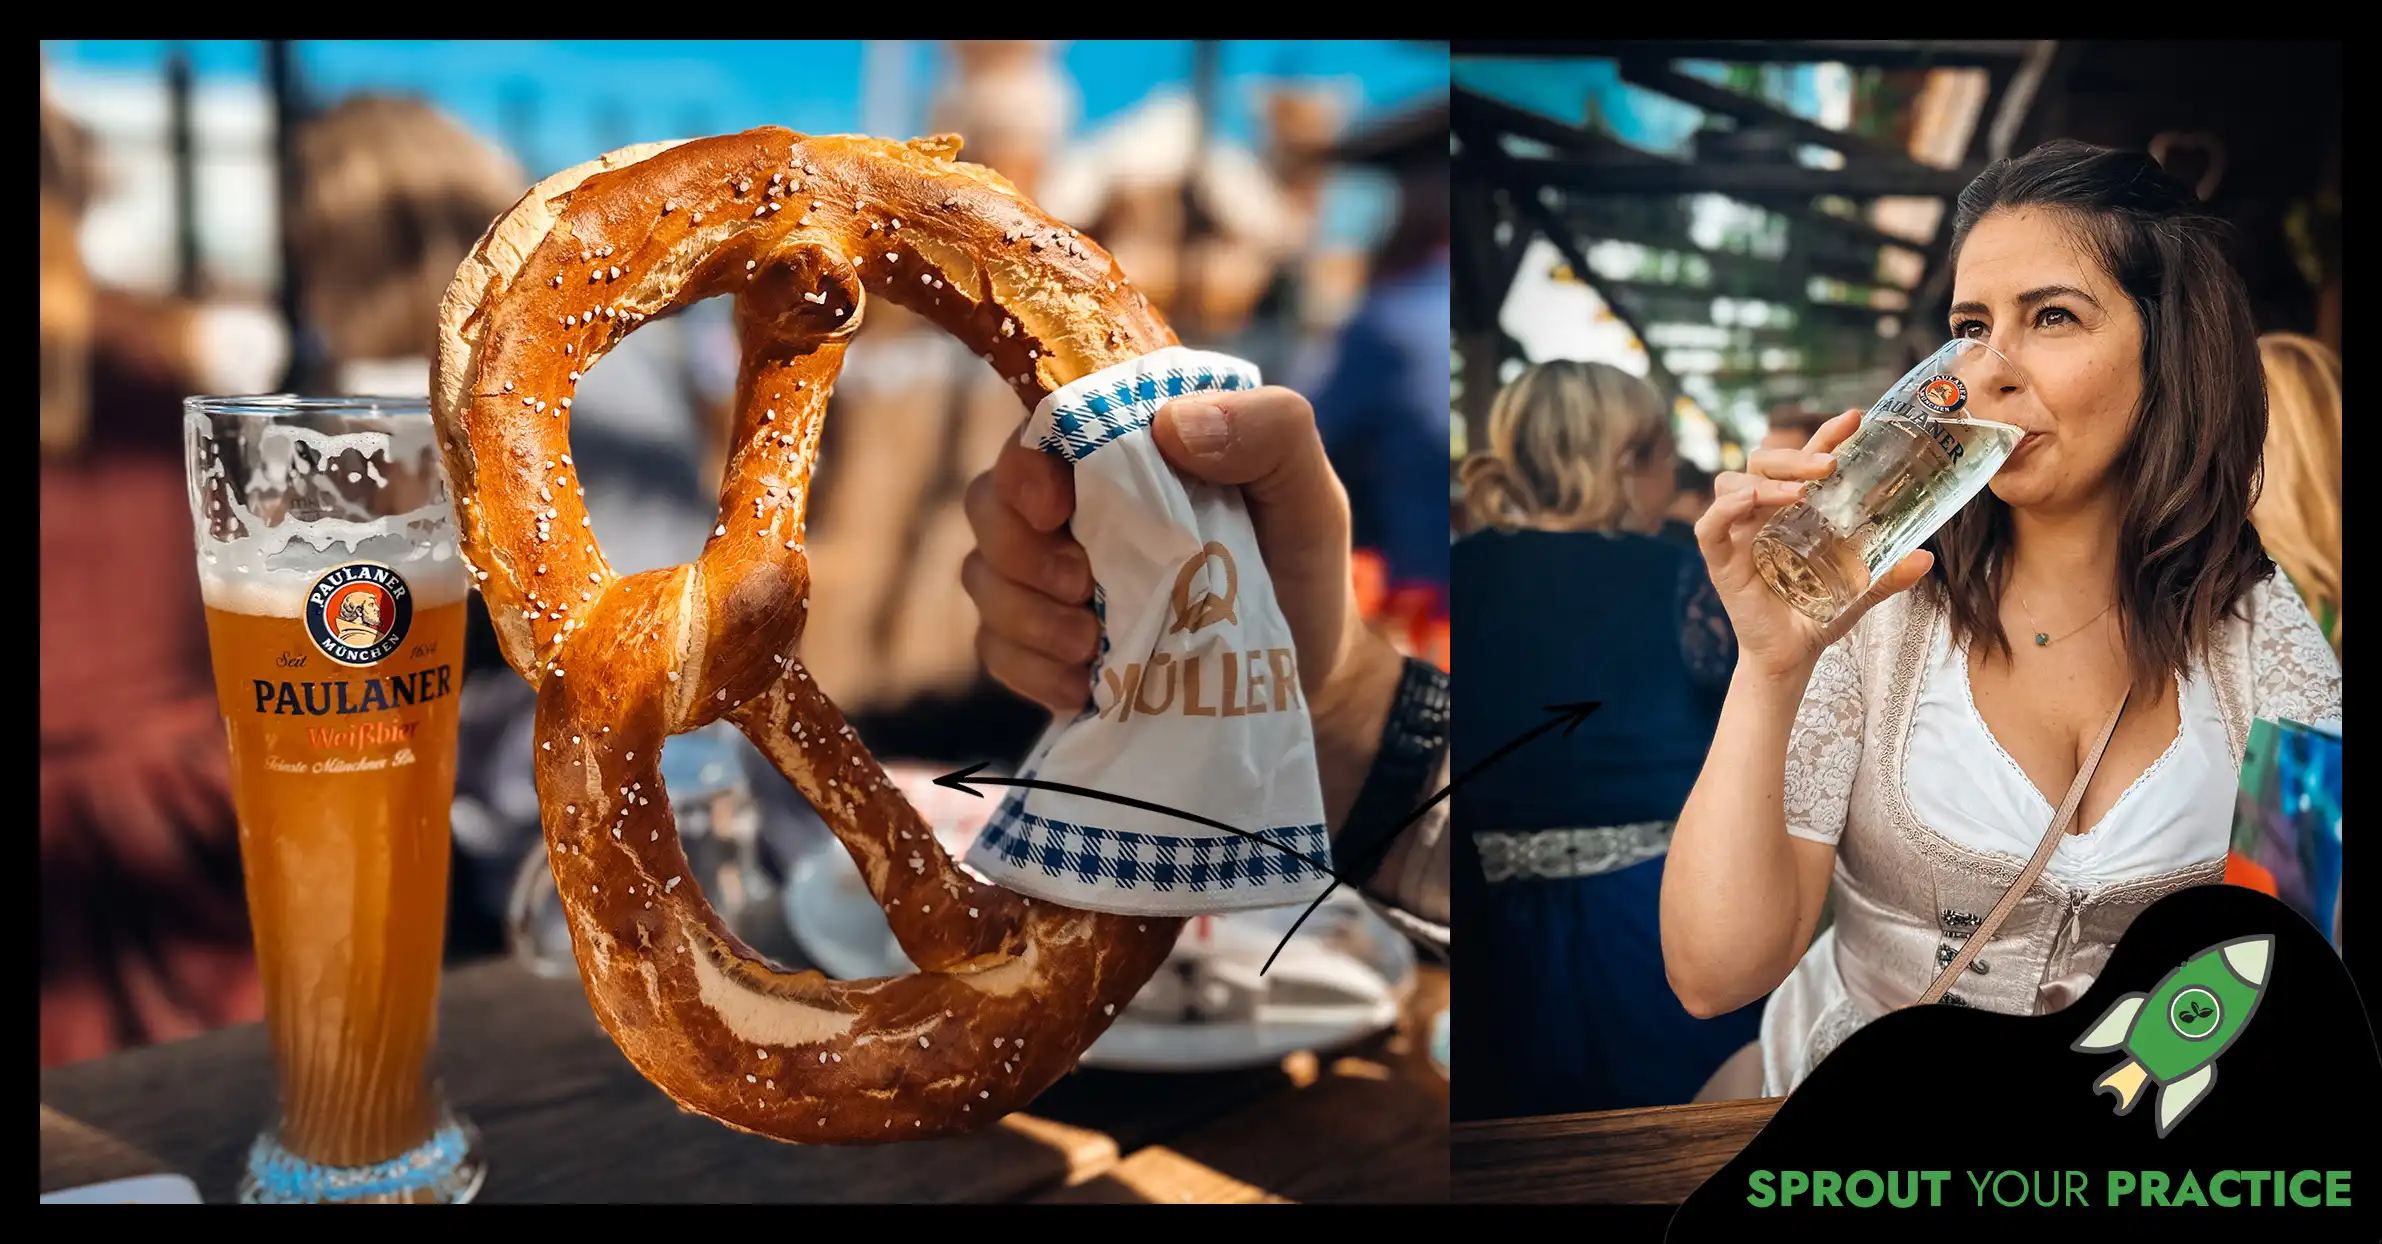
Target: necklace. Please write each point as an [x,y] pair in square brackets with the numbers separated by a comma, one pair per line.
[2044,639]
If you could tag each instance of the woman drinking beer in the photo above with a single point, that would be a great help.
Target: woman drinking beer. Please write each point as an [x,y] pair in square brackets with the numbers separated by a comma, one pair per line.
[1916,751]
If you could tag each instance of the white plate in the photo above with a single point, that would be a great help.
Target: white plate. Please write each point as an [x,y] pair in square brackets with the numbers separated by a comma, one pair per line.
[1352,967]
[140,1190]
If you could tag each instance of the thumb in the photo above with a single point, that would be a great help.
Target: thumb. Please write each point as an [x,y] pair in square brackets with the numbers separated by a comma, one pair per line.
[1264,441]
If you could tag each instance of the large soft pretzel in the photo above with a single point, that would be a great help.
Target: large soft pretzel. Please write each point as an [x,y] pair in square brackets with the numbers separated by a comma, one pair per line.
[803,231]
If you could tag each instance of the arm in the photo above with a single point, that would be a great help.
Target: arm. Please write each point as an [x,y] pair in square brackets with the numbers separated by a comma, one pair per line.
[1349,712]
[1381,742]
[1754,847]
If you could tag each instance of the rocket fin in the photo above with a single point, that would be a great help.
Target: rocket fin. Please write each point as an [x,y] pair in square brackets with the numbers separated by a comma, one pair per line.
[2176,1100]
[2109,1032]
[2249,958]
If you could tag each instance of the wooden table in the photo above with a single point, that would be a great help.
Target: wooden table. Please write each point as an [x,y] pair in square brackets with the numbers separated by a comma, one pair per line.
[1654,1156]
[564,1118]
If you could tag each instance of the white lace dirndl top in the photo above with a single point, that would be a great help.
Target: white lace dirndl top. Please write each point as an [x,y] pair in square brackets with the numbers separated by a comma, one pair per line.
[1932,821]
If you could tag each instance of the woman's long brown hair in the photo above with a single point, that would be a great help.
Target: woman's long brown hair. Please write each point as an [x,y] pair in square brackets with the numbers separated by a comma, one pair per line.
[2186,552]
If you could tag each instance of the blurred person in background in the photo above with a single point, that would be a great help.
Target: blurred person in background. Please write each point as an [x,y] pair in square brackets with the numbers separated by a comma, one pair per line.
[1201,224]
[1791,427]
[1011,103]
[1570,595]
[1382,406]
[1691,496]
[914,415]
[144,932]
[2298,516]
[392,195]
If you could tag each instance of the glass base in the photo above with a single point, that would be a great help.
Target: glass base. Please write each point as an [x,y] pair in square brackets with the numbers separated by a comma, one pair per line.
[447,1169]
[1809,565]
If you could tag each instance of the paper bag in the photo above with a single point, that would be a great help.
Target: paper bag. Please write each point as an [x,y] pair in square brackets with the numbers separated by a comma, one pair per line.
[1196,703]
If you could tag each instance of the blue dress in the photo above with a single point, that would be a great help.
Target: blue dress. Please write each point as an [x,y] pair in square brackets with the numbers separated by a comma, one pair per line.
[1564,989]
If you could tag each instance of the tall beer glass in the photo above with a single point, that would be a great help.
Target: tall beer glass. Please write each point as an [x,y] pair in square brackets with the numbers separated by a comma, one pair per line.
[1923,451]
[335,611]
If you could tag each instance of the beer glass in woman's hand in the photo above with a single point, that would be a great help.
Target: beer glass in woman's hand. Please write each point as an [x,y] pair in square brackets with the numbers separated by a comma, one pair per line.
[1803,542]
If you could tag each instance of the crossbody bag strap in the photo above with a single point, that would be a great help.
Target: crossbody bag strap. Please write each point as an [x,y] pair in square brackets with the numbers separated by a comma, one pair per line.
[2034,867]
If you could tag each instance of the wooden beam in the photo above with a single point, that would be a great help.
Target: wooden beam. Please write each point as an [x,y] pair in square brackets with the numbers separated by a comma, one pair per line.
[1852,230]
[1478,120]
[2042,58]
[1998,80]
[1757,183]
[1537,214]
[1747,110]
[1487,272]
[1673,302]
[1859,53]
[1805,255]
[2040,79]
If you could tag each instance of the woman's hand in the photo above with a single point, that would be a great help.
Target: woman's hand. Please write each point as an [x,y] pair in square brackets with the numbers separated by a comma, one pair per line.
[1774,638]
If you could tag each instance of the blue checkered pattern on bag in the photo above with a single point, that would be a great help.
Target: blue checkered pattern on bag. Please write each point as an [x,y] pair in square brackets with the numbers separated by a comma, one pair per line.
[1081,422]
[1127,860]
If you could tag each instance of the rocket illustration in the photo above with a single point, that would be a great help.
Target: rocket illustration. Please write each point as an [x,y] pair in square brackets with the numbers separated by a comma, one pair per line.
[2174,1034]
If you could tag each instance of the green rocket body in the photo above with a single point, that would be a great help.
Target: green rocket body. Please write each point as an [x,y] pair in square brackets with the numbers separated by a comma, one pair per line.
[2174,1035]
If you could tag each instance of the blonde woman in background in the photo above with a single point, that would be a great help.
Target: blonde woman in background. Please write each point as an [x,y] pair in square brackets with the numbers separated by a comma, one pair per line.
[1569,592]
[2298,516]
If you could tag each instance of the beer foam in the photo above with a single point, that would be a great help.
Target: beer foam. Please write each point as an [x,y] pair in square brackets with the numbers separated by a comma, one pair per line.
[255,557]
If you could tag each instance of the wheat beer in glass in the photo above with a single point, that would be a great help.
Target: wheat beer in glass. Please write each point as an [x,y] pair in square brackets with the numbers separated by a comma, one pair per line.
[1921,453]
[335,615]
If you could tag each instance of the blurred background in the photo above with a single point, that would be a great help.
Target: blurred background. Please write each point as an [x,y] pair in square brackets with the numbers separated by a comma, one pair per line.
[1676,253]
[239,217]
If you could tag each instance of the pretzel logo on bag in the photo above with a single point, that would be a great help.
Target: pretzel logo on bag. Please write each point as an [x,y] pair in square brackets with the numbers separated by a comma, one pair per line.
[803,231]
[1209,609]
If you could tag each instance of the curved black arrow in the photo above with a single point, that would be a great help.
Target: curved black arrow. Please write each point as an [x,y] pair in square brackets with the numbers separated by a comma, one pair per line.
[960,781]
[1568,716]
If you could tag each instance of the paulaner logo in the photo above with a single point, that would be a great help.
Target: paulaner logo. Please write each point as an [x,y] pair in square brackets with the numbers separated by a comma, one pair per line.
[359,613]
[1208,609]
[2173,1034]
[1943,394]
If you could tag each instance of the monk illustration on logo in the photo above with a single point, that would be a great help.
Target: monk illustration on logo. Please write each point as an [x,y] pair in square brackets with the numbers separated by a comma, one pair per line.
[360,614]
[1943,394]
[1208,609]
